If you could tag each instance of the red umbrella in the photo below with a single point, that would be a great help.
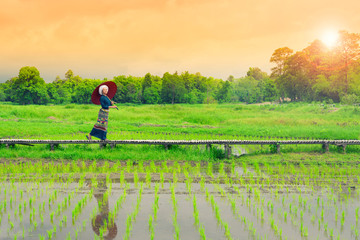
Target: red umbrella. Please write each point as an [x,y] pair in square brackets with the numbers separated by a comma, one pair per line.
[95,96]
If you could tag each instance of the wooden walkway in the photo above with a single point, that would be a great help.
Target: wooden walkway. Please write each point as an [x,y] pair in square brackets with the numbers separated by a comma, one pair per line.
[166,143]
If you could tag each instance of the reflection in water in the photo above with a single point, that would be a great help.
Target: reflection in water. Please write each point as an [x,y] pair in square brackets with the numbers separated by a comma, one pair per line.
[101,221]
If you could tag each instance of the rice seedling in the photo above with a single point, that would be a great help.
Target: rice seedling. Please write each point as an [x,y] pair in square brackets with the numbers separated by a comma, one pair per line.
[218,216]
[175,209]
[342,218]
[148,179]
[304,195]
[195,212]
[152,218]
[202,233]
[355,231]
[132,217]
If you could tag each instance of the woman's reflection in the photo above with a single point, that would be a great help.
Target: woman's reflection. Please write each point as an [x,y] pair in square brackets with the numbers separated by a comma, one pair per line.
[100,223]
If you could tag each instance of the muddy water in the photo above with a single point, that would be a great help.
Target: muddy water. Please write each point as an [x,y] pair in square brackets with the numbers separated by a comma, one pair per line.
[257,213]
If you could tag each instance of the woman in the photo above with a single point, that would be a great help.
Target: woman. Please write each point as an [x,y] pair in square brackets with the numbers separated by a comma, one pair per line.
[100,128]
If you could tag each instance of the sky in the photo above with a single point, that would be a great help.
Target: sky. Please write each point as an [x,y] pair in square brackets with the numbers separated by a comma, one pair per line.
[106,38]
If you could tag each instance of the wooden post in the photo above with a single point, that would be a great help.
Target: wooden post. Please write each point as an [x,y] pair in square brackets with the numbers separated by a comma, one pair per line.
[112,145]
[227,150]
[343,146]
[8,145]
[325,147]
[102,145]
[208,147]
[53,145]
[277,148]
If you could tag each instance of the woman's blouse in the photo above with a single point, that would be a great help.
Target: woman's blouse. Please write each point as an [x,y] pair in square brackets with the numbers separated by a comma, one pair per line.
[105,102]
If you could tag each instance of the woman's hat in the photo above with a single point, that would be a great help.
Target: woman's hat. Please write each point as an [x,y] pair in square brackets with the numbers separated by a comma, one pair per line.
[95,96]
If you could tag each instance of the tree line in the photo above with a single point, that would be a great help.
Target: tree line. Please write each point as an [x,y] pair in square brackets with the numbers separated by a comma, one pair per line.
[315,73]
[319,73]
[29,88]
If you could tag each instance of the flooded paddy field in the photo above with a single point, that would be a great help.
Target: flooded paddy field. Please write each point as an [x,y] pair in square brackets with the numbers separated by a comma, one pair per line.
[178,200]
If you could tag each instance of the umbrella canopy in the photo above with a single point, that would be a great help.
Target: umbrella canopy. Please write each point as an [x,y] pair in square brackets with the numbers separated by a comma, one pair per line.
[95,96]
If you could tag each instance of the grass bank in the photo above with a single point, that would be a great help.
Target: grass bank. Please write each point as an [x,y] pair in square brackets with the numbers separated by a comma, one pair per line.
[183,122]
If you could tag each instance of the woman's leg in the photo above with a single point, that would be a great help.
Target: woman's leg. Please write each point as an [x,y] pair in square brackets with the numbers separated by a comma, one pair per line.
[88,137]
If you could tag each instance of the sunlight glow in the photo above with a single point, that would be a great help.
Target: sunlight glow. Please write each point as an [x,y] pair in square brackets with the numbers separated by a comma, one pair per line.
[330,38]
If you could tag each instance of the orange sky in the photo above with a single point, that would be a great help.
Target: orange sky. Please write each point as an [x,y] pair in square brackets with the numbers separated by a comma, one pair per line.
[98,39]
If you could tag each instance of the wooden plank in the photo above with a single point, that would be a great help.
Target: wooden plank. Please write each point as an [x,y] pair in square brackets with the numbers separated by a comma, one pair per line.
[167,143]
[325,143]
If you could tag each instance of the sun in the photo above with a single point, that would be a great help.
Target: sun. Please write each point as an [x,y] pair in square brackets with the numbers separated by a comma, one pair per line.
[330,38]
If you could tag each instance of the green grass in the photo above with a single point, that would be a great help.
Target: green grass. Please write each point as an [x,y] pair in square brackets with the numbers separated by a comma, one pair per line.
[183,122]
[288,120]
[87,152]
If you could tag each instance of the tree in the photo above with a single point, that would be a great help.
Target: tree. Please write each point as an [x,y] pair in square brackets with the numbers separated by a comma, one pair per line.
[348,51]
[223,94]
[69,74]
[129,89]
[268,89]
[316,54]
[2,92]
[173,88]
[247,89]
[296,75]
[188,80]
[256,73]
[29,87]
[63,88]
[230,78]
[146,83]
[354,81]
[53,93]
[279,57]
[71,83]
[151,95]
[9,90]
[83,91]
[321,88]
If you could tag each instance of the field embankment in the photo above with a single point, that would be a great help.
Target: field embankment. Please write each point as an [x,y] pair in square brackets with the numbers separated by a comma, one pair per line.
[187,122]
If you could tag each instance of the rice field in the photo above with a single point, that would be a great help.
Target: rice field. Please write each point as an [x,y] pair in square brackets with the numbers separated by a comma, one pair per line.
[178,200]
[186,192]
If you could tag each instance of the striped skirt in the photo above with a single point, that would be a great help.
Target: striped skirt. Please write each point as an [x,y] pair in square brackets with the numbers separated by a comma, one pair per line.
[100,128]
